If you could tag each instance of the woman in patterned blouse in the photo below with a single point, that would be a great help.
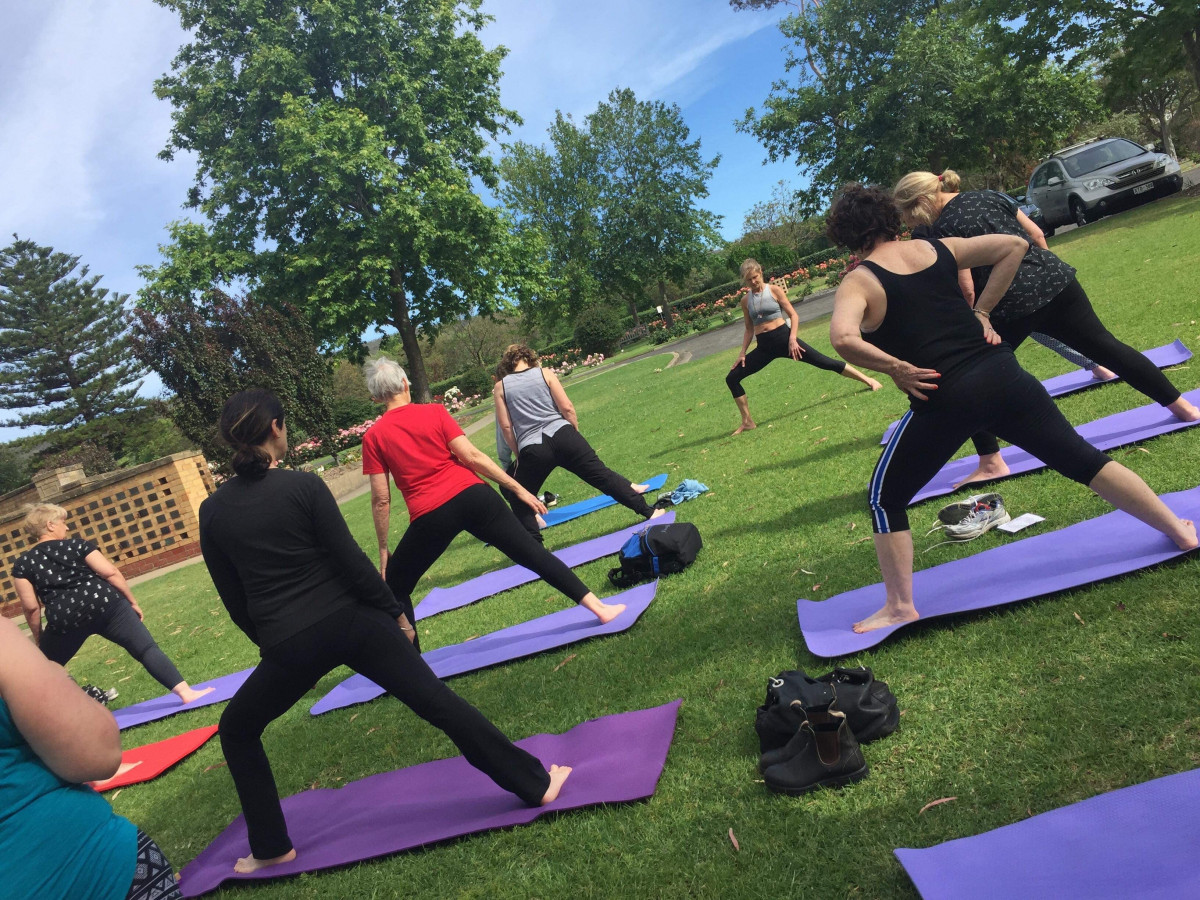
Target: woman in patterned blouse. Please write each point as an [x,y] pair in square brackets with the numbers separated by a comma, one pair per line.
[1045,296]
[83,594]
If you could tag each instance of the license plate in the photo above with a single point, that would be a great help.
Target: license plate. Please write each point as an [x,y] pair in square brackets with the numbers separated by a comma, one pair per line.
[1142,188]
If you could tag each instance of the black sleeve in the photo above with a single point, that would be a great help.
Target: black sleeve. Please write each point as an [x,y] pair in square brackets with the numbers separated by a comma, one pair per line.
[227,582]
[345,555]
[1008,202]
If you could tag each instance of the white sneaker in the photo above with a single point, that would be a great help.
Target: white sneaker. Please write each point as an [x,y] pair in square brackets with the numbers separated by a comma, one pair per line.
[968,519]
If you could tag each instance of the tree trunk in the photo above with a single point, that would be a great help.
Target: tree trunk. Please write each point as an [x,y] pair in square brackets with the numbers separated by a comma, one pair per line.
[662,301]
[1191,50]
[418,380]
[633,311]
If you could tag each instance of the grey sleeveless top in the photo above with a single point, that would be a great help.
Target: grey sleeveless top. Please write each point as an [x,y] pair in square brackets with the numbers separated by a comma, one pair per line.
[530,407]
[763,307]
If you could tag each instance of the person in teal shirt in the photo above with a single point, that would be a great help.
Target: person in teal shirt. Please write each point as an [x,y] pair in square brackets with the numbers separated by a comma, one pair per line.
[58,837]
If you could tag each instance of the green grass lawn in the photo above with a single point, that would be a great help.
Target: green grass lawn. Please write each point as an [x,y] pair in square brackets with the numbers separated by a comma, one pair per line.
[1011,712]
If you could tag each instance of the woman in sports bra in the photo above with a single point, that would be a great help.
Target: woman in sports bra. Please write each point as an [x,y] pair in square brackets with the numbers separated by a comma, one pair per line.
[901,313]
[767,311]
[539,425]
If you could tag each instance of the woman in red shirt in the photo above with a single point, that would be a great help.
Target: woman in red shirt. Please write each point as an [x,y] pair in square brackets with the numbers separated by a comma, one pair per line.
[437,471]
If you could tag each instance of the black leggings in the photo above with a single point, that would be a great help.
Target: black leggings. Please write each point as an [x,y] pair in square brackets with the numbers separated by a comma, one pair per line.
[119,624]
[1069,317]
[370,642]
[773,345]
[479,511]
[567,448]
[153,878]
[996,394]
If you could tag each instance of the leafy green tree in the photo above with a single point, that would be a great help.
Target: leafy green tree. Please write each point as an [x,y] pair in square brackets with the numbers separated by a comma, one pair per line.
[1159,91]
[64,357]
[616,201]
[1161,30]
[336,146]
[207,351]
[901,86]
[653,177]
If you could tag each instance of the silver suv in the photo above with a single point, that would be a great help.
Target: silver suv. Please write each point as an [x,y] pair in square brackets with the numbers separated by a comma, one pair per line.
[1090,180]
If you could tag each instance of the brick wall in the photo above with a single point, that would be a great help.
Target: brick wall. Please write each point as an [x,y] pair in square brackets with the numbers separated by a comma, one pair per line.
[141,518]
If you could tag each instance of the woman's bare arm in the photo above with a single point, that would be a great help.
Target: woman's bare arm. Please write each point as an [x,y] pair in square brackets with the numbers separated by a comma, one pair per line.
[1035,234]
[71,733]
[505,420]
[482,464]
[29,606]
[381,515]
[561,400]
[1003,252]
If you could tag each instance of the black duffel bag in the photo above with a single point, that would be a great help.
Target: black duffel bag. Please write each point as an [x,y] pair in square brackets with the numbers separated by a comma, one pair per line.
[656,550]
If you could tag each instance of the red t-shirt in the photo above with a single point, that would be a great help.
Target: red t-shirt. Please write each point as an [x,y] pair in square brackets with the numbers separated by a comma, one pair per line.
[412,444]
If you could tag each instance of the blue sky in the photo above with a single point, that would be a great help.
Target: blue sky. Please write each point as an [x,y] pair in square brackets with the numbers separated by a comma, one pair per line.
[82,128]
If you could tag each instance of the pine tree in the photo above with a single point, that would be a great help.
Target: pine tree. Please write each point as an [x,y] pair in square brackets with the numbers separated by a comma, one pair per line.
[64,356]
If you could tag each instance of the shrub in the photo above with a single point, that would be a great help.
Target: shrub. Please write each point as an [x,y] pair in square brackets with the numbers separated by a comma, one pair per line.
[598,329]
[350,411]
[475,381]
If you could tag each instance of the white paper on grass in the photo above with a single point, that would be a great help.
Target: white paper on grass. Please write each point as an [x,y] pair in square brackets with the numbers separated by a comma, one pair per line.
[1020,522]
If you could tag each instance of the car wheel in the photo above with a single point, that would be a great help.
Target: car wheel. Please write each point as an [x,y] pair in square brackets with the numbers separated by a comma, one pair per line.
[1048,231]
[1079,212]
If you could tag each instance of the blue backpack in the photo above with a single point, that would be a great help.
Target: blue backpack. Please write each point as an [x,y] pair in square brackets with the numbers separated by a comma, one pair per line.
[656,550]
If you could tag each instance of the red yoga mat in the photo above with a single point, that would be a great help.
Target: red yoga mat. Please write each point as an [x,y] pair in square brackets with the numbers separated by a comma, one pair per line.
[151,760]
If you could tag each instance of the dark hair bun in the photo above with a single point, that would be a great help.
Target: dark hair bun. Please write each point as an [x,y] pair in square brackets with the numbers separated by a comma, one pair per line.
[245,425]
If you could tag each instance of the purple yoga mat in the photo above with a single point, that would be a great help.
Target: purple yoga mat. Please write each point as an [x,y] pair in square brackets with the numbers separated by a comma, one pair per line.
[440,600]
[161,707]
[1110,545]
[535,636]
[1112,431]
[1167,355]
[616,759]
[1137,843]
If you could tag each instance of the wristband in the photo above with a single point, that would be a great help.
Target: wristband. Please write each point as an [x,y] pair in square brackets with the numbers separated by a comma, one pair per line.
[984,313]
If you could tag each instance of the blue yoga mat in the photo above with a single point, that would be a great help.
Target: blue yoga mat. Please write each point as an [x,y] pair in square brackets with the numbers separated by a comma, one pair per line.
[1136,843]
[535,636]
[561,514]
[1089,551]
[1167,355]
[440,600]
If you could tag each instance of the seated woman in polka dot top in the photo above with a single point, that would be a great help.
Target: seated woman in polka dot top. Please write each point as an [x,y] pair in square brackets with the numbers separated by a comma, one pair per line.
[83,594]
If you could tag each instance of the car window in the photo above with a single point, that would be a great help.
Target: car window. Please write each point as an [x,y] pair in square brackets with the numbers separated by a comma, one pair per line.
[1039,177]
[1101,155]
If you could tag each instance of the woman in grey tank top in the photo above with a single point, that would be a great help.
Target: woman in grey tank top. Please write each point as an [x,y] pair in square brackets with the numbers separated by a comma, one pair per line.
[540,427]
[767,310]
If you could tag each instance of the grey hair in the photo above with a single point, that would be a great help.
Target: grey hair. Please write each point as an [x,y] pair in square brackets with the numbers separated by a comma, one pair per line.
[385,378]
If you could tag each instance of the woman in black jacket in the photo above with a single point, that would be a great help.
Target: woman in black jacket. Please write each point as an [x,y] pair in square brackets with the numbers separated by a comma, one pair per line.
[296,582]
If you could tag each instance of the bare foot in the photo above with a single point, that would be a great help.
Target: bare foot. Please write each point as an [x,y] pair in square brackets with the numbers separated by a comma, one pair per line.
[190,694]
[558,774]
[886,617]
[1186,539]
[1102,374]
[873,384]
[248,864]
[640,488]
[606,612]
[990,466]
[657,513]
[1184,410]
[745,426]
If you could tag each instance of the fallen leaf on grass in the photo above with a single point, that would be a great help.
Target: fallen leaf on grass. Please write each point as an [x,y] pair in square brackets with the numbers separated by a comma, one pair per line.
[1078,619]
[109,662]
[1171,637]
[219,765]
[821,440]
[564,662]
[355,716]
[369,730]
[1120,606]
[116,795]
[859,541]
[818,428]
[176,631]
[817,587]
[853,525]
[126,678]
[932,803]
[806,572]
[733,840]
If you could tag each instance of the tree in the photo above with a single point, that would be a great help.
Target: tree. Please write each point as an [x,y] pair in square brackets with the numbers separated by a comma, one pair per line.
[904,87]
[205,352]
[1095,29]
[616,201]
[64,356]
[1158,90]
[336,146]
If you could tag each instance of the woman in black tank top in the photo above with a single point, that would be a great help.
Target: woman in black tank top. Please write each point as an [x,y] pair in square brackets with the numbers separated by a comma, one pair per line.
[901,313]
